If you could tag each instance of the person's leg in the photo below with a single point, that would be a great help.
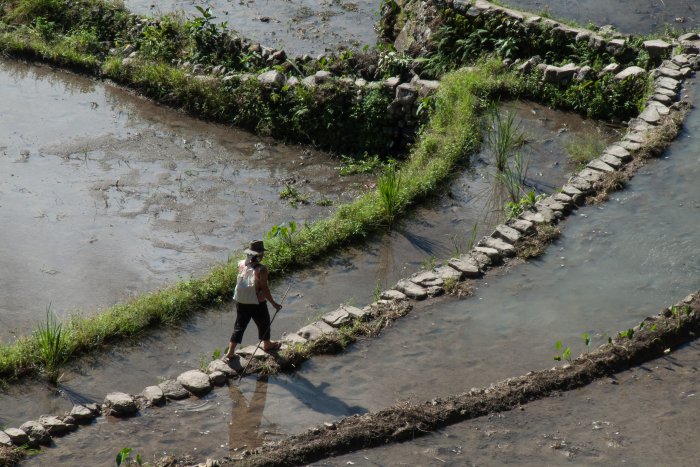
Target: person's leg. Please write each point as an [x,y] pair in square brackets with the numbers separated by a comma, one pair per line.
[262,320]
[243,315]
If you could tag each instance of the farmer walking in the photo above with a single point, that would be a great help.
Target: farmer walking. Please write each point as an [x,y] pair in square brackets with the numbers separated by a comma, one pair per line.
[251,296]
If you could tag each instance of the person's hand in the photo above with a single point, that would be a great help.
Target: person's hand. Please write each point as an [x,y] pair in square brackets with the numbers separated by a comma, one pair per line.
[277,306]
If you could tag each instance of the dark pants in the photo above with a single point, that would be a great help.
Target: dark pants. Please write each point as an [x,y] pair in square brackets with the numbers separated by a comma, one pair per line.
[259,314]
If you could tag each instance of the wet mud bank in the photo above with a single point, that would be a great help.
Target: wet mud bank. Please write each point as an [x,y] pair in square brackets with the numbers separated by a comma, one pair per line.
[671,328]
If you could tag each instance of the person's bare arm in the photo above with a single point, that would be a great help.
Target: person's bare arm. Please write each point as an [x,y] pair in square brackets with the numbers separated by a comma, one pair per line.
[265,288]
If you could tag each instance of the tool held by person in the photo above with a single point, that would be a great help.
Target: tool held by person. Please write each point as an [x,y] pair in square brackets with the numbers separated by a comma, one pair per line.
[242,374]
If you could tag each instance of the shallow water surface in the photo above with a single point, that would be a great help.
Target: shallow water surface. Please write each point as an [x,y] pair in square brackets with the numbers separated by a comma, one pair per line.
[104,195]
[297,26]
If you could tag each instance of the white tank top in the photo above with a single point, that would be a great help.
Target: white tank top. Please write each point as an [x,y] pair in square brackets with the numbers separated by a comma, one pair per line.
[245,284]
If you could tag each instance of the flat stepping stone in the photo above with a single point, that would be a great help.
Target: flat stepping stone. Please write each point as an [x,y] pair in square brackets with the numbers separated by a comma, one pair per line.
[358,313]
[17,436]
[534,217]
[522,226]
[119,404]
[669,72]
[392,294]
[229,369]
[466,265]
[592,176]
[315,331]
[293,339]
[412,290]
[55,426]
[612,161]
[549,214]
[195,381]
[338,317]
[662,109]
[483,260]
[658,90]
[38,435]
[253,351]
[447,273]
[553,204]
[505,249]
[153,395]
[507,234]
[584,186]
[650,115]
[173,390]
[662,98]
[668,83]
[598,164]
[630,146]
[563,199]
[492,253]
[426,279]
[5,440]
[619,152]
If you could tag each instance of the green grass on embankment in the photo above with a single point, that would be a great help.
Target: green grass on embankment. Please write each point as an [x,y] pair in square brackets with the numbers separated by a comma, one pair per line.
[450,137]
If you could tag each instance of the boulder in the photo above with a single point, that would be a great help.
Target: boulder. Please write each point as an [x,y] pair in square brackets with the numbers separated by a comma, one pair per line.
[17,436]
[657,48]
[611,68]
[217,378]
[55,426]
[427,87]
[5,440]
[323,76]
[466,265]
[560,75]
[173,390]
[120,404]
[292,81]
[337,318]
[38,435]
[272,78]
[195,381]
[82,414]
[584,73]
[412,290]
[153,395]
[406,93]
[392,83]
[392,294]
[426,279]
[315,331]
[507,234]
[628,72]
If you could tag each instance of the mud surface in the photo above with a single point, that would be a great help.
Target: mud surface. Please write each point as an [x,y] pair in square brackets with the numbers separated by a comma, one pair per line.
[639,417]
[297,26]
[104,195]
[628,16]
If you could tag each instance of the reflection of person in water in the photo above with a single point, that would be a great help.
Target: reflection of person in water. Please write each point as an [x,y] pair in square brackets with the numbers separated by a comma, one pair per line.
[246,417]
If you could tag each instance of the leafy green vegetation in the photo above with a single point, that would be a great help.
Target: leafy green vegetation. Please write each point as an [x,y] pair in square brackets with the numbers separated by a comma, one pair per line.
[51,343]
[584,148]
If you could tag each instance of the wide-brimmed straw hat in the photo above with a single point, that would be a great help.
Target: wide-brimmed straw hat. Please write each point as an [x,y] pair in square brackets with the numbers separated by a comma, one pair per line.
[257,247]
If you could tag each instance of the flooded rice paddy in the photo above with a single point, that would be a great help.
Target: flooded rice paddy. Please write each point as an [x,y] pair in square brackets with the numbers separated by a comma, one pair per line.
[79,240]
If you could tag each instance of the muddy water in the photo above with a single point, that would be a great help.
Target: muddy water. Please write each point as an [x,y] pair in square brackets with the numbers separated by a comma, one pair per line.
[645,416]
[628,16]
[297,26]
[104,195]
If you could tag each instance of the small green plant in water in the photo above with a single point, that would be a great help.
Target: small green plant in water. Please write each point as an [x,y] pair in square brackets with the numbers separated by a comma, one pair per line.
[51,342]
[293,196]
[284,232]
[124,458]
[583,149]
[514,209]
[503,137]
[562,353]
[377,293]
[389,186]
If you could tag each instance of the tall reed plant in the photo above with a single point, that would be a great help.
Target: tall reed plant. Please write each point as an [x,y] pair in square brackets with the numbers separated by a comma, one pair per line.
[52,345]
[503,136]
[389,186]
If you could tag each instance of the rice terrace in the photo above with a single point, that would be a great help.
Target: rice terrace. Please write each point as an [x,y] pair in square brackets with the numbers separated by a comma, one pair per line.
[478,222]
